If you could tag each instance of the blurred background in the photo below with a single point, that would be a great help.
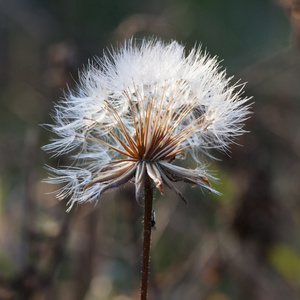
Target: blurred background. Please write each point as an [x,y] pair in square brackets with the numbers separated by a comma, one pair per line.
[242,245]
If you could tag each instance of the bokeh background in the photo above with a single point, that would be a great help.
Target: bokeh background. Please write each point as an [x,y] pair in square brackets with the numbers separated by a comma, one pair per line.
[242,245]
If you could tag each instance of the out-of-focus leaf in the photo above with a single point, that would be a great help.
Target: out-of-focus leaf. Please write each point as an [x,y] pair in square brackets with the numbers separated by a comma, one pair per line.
[287,261]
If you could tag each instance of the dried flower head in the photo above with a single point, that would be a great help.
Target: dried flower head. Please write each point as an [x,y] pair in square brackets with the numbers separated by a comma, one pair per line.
[138,109]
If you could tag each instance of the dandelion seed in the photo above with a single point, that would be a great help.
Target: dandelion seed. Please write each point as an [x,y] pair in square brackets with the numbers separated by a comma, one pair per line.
[135,112]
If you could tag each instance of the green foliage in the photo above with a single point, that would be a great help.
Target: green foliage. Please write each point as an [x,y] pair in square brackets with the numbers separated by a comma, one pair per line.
[287,261]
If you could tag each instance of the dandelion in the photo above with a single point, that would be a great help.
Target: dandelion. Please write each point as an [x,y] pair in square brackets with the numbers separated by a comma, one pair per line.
[136,112]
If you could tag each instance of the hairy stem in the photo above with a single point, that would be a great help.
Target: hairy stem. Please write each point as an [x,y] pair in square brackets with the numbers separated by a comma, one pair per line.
[146,238]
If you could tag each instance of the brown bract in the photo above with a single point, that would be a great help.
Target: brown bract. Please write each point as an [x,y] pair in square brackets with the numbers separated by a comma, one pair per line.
[156,142]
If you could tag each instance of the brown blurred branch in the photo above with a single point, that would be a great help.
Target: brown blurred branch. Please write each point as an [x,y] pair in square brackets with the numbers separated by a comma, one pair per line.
[85,264]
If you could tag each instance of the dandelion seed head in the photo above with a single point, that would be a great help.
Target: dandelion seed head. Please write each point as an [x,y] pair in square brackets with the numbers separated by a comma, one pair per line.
[137,109]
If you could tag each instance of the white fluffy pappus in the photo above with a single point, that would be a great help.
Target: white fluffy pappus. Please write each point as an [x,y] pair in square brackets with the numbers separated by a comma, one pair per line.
[137,109]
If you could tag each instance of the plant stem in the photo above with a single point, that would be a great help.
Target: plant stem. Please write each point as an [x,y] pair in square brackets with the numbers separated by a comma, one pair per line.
[146,238]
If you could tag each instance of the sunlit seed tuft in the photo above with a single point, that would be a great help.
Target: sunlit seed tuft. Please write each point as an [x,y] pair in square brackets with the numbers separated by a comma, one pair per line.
[138,112]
